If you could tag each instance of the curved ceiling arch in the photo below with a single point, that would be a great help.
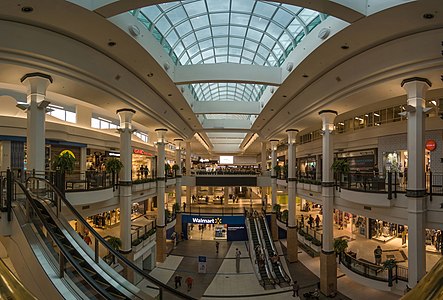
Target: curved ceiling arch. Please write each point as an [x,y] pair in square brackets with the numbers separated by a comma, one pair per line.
[349,11]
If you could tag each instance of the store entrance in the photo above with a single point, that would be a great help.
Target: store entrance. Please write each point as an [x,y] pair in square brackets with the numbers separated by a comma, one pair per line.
[207,232]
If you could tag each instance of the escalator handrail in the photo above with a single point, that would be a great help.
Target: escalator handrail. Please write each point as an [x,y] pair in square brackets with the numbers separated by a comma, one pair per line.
[252,252]
[80,218]
[268,271]
[61,247]
[282,271]
[268,262]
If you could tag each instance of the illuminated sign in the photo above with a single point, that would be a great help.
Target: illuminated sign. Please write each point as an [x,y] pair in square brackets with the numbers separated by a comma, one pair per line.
[227,160]
[67,151]
[141,152]
[206,220]
[431,145]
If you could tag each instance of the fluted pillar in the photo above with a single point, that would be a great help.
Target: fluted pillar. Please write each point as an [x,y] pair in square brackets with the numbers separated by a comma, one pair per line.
[416,186]
[263,171]
[36,84]
[273,172]
[328,264]
[292,193]
[125,181]
[178,180]
[161,222]
[188,172]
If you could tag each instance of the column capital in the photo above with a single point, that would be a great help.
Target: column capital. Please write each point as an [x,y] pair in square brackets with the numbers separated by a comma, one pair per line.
[161,132]
[328,117]
[292,134]
[274,144]
[177,143]
[416,87]
[36,83]
[125,115]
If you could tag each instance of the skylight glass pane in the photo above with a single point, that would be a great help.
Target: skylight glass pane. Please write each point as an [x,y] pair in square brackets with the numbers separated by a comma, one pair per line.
[220,31]
[183,28]
[243,5]
[217,5]
[264,9]
[237,31]
[283,18]
[199,22]
[177,14]
[151,12]
[219,19]
[259,23]
[240,19]
[195,8]
[203,33]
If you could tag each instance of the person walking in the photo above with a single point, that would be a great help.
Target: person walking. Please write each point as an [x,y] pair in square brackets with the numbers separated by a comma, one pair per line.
[377,254]
[295,288]
[217,245]
[237,260]
[178,281]
[317,222]
[189,282]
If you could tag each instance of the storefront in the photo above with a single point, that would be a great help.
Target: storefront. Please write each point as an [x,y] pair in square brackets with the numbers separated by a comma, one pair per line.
[230,228]
[384,231]
[142,164]
[307,166]
[362,160]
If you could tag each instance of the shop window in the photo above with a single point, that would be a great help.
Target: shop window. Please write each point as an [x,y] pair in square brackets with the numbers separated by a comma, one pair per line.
[397,110]
[101,123]
[369,119]
[62,113]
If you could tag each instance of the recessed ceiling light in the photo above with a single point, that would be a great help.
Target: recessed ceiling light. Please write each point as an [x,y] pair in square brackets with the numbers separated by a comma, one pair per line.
[150,74]
[345,47]
[181,108]
[284,96]
[305,75]
[27,9]
[169,95]
[428,16]
[112,44]
[189,118]
[272,109]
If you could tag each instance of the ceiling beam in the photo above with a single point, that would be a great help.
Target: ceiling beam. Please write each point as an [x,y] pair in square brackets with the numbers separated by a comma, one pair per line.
[228,72]
[226,107]
[226,124]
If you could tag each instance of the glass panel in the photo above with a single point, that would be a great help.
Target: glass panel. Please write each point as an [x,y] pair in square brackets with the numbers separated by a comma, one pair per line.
[71,117]
[95,123]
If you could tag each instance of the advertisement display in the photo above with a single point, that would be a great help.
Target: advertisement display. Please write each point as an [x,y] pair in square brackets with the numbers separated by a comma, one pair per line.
[231,228]
[226,160]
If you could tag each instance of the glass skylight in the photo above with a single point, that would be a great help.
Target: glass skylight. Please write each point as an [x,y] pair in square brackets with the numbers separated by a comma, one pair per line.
[227,91]
[228,31]
[225,116]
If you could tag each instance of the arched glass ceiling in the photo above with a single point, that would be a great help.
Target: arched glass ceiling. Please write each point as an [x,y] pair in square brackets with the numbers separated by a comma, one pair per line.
[227,91]
[228,31]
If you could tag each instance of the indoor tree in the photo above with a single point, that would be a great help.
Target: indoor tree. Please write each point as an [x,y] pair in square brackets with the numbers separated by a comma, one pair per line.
[340,246]
[115,243]
[113,165]
[62,164]
[175,168]
[390,264]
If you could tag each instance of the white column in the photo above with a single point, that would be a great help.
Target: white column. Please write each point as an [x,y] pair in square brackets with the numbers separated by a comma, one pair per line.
[263,157]
[292,193]
[188,172]
[416,186]
[125,180]
[82,162]
[5,159]
[36,84]
[328,266]
[318,167]
[161,224]
[273,173]
[178,180]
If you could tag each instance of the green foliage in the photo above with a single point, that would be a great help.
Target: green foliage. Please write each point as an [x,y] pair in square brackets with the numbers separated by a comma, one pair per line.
[175,167]
[114,242]
[277,169]
[284,215]
[176,207]
[340,166]
[340,245]
[276,208]
[113,165]
[389,264]
[309,237]
[167,167]
[316,242]
[137,242]
[143,180]
[64,162]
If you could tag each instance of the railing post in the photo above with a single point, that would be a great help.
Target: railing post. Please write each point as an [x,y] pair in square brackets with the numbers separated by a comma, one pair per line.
[395,185]
[61,262]
[97,254]
[389,185]
[430,186]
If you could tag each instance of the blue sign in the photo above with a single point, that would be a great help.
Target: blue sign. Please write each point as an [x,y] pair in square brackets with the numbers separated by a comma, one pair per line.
[202,259]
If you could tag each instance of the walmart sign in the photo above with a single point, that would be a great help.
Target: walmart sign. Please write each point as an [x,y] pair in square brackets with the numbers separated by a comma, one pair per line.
[206,220]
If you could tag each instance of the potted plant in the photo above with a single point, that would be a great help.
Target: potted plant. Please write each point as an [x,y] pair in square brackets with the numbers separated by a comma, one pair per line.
[176,208]
[115,243]
[175,168]
[62,164]
[167,170]
[340,246]
[276,208]
[277,170]
[390,264]
[113,165]
[340,167]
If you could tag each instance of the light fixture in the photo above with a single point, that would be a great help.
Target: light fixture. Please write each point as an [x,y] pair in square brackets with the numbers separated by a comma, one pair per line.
[289,66]
[134,30]
[324,33]
[201,140]
[250,141]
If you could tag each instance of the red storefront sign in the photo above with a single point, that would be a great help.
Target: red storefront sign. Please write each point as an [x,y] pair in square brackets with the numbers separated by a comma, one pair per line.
[431,145]
[141,152]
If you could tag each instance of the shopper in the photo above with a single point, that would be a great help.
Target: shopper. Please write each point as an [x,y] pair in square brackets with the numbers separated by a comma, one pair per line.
[217,245]
[178,281]
[302,221]
[189,282]
[377,254]
[87,239]
[295,288]
[311,221]
[317,222]
[237,260]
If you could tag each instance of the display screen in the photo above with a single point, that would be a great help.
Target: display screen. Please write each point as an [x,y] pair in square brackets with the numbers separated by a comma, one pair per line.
[226,160]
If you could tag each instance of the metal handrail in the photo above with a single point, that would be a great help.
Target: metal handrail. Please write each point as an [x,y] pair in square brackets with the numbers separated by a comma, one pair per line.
[106,244]
[265,251]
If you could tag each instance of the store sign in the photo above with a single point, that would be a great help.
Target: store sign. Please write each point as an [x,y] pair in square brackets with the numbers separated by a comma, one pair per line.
[431,145]
[235,228]
[112,154]
[206,220]
[67,151]
[141,152]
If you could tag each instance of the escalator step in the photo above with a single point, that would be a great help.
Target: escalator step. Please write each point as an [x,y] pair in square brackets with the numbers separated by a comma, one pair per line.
[117,296]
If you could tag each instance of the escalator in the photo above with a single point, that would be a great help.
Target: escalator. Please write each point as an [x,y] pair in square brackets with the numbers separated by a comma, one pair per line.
[64,264]
[267,282]
[87,275]
[281,278]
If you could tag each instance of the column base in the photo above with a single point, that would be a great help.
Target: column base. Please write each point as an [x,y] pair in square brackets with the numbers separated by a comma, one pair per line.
[328,273]
[274,227]
[292,242]
[160,240]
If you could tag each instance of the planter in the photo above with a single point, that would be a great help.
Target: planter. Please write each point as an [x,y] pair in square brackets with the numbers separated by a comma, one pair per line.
[301,238]
[137,247]
[316,248]
[316,188]
[137,187]
[306,186]
[299,185]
